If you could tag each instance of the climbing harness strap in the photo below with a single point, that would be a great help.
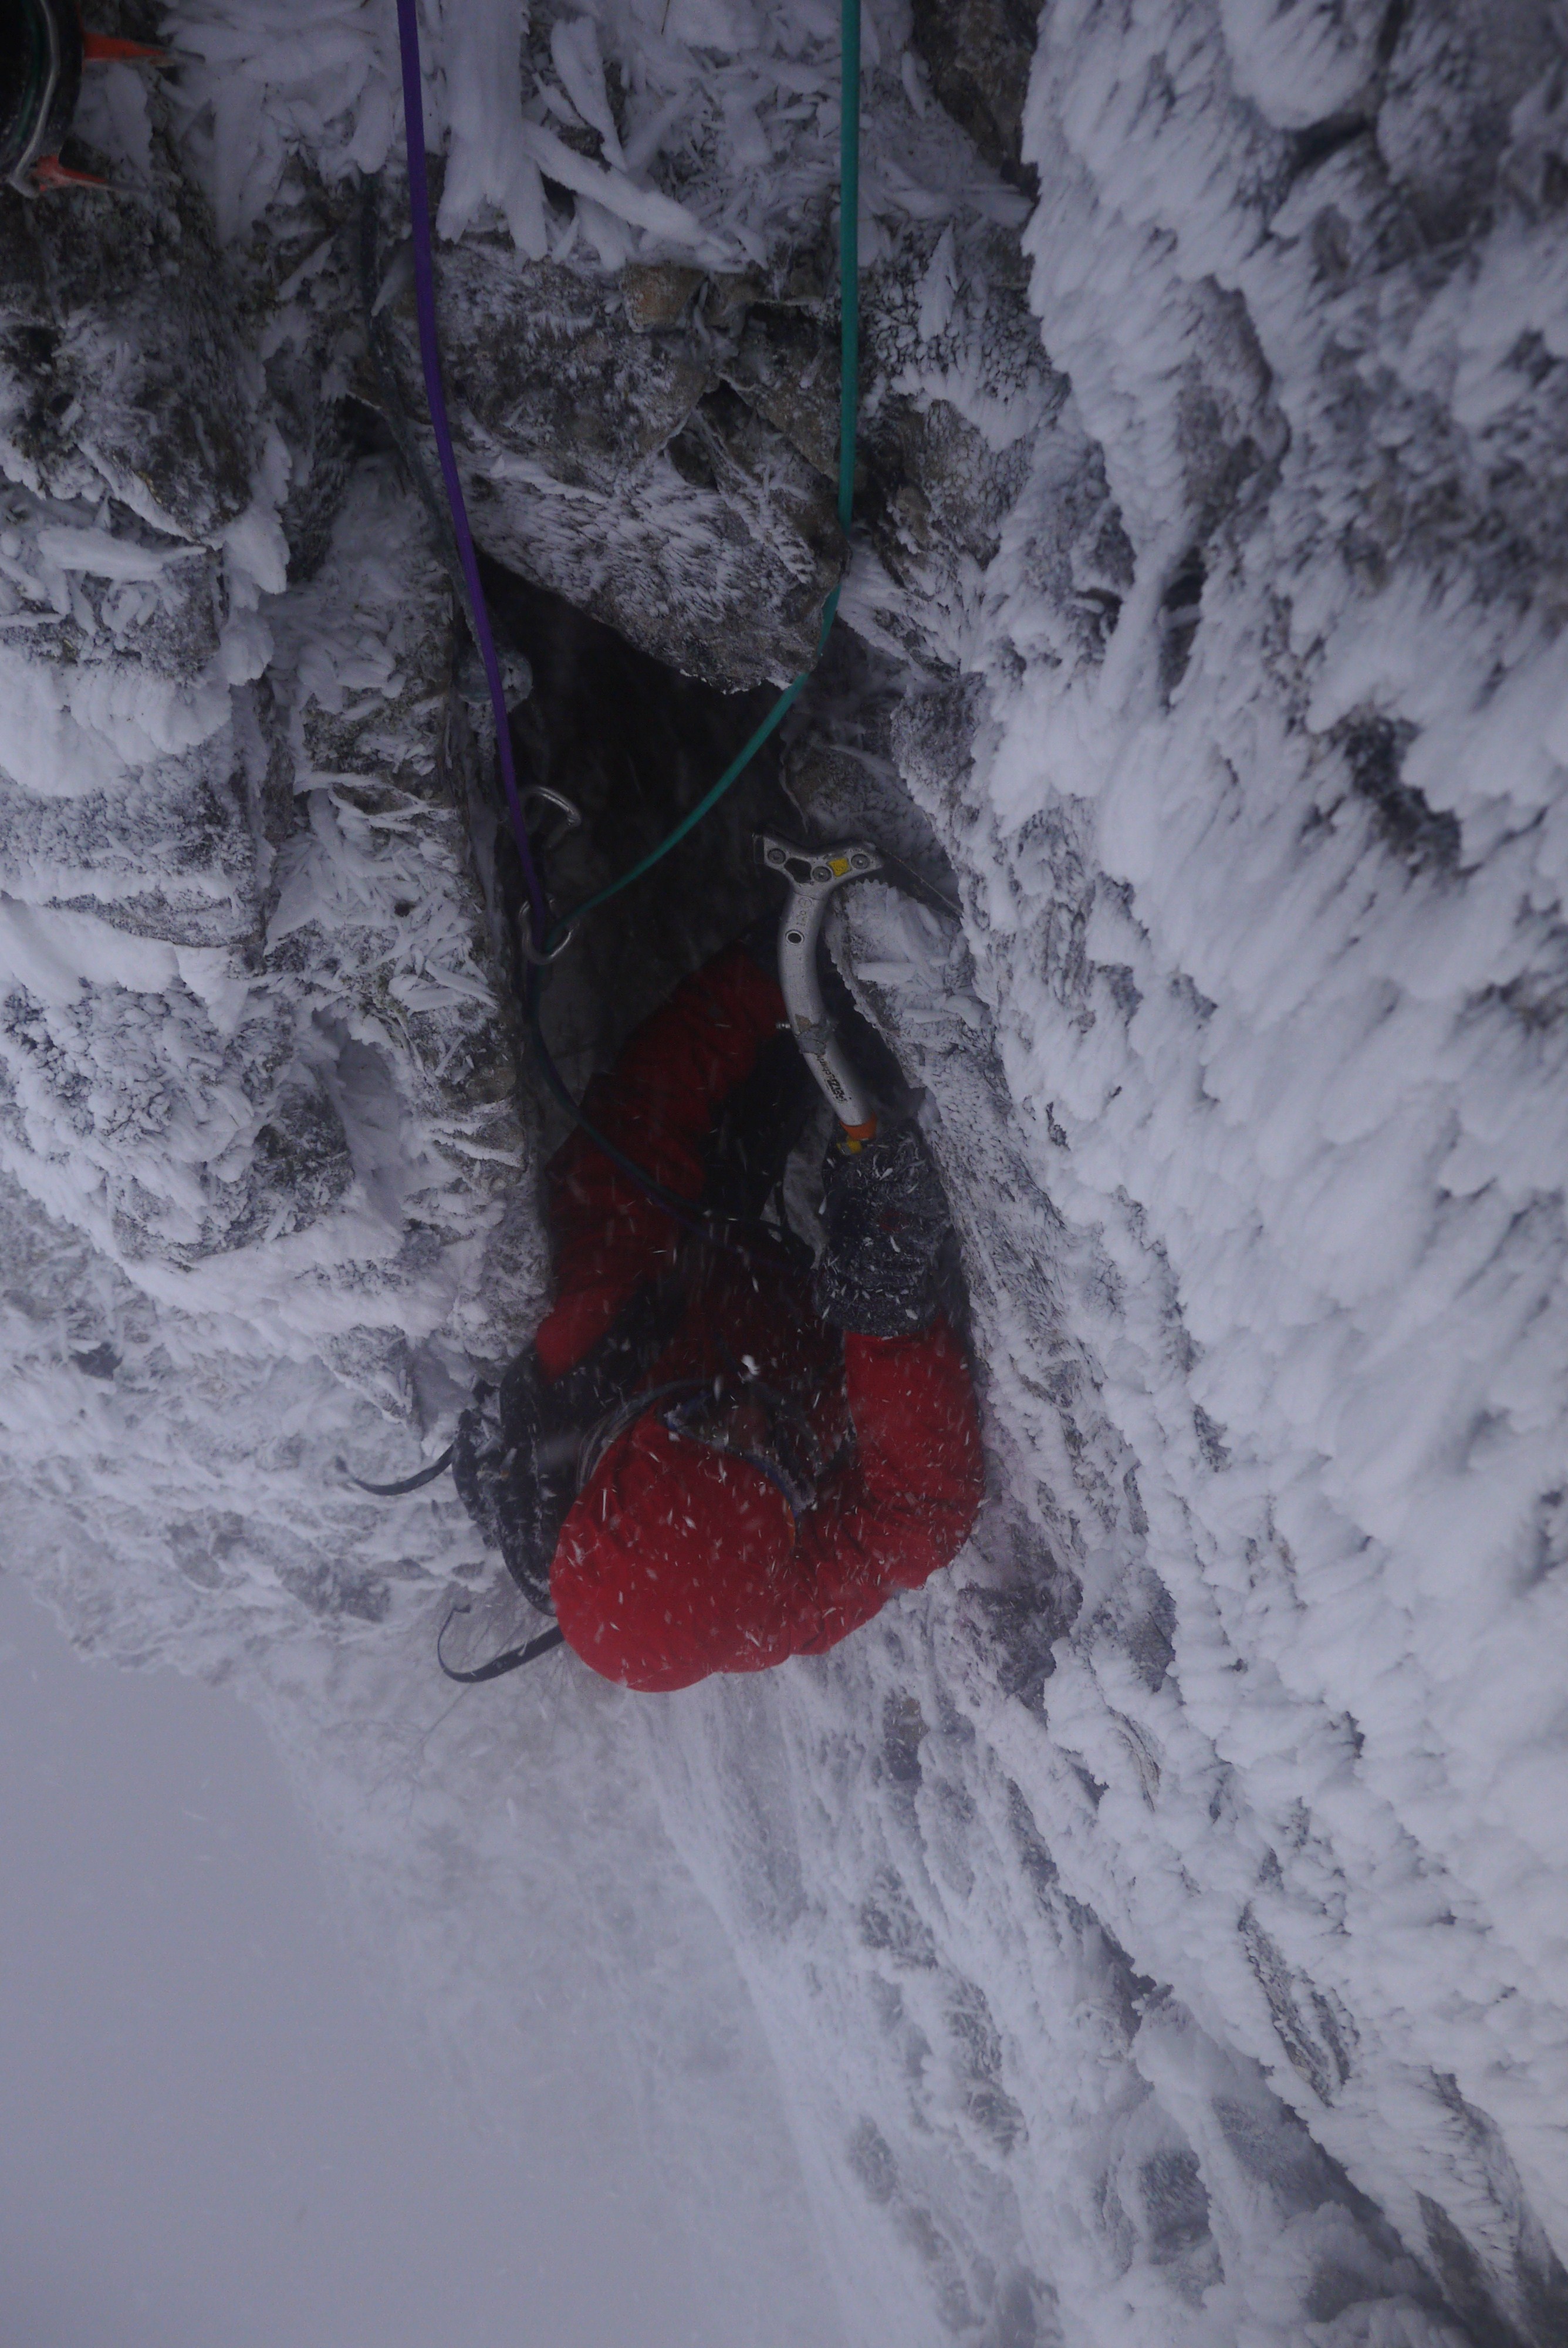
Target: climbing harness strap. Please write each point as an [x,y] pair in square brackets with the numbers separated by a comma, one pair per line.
[622,1415]
[795,1465]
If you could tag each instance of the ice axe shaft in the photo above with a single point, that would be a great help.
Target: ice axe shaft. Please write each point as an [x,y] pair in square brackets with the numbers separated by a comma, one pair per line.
[813,874]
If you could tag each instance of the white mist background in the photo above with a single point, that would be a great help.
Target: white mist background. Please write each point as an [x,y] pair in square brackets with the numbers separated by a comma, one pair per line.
[217,2130]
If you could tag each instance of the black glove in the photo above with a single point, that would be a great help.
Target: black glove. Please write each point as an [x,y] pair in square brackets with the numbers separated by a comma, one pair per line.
[885,1218]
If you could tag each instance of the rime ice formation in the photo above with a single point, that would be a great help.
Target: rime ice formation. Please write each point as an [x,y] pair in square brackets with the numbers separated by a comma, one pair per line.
[1155,1930]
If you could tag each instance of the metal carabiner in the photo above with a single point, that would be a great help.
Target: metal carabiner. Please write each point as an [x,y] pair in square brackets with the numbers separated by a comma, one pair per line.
[530,952]
[563,807]
[571,815]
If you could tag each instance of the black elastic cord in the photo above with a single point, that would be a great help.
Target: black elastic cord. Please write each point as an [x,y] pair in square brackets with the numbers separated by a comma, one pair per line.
[408,1483]
[512,1659]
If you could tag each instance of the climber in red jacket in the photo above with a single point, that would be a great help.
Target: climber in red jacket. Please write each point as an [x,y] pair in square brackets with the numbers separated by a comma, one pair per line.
[713,1459]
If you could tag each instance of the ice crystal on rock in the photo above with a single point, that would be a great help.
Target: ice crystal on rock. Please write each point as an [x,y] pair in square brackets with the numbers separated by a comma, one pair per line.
[1156,1928]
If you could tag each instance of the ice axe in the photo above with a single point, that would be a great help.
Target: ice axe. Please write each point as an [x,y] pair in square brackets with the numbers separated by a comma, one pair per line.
[46,45]
[813,874]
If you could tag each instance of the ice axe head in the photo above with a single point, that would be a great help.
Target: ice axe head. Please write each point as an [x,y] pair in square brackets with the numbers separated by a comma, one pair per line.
[43,46]
[107,49]
[50,174]
[813,874]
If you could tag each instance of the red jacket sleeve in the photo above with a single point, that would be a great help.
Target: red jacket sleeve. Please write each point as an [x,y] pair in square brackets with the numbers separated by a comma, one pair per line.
[659,1105]
[904,1507]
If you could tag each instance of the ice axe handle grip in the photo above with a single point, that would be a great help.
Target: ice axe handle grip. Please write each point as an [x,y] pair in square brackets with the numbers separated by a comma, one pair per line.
[813,874]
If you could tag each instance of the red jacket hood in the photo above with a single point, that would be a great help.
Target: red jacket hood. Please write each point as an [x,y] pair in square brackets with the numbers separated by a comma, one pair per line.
[671,1552]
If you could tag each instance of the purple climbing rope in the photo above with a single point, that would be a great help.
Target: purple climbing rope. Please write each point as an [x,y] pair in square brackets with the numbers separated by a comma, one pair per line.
[430,356]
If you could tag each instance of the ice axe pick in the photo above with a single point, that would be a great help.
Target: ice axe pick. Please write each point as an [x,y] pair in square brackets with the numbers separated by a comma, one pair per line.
[813,874]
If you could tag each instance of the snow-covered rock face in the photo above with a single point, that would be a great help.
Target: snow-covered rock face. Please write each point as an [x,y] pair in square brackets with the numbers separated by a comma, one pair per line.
[658,442]
[1159,1924]
[258,1109]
